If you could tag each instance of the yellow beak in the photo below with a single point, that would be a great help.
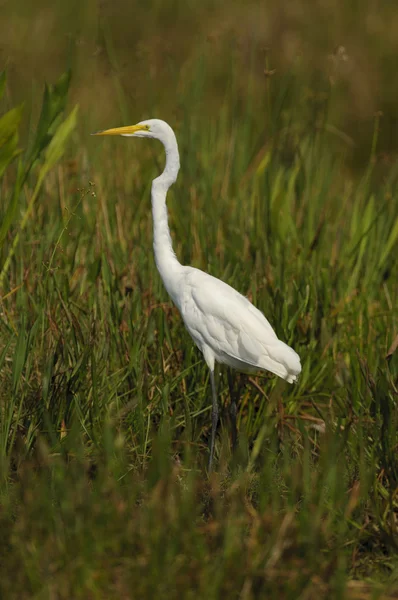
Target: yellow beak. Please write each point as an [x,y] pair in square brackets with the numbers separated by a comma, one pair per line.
[128,129]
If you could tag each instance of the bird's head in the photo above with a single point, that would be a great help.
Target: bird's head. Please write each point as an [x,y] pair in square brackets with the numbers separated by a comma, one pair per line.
[152,128]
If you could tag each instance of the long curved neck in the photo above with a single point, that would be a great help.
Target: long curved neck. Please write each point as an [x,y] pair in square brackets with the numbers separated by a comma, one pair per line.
[165,258]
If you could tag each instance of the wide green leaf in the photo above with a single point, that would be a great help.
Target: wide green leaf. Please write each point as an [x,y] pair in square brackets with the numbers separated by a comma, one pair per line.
[9,123]
[54,103]
[8,151]
[53,154]
[57,145]
[49,134]
[9,216]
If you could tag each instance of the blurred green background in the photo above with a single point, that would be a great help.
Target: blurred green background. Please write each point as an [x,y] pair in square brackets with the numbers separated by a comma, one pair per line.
[132,60]
[286,119]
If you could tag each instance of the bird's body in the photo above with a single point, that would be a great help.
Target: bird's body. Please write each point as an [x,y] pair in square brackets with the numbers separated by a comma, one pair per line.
[225,325]
[228,329]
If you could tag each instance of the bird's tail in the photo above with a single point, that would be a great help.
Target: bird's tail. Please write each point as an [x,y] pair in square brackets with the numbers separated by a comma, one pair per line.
[285,362]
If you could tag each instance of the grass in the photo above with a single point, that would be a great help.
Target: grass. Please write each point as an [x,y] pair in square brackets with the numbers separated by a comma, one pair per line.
[105,405]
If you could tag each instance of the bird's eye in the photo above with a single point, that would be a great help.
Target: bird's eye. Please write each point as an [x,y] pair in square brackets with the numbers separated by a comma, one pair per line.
[147,127]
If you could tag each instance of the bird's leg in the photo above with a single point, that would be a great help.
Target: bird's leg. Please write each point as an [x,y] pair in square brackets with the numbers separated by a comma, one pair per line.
[232,408]
[214,418]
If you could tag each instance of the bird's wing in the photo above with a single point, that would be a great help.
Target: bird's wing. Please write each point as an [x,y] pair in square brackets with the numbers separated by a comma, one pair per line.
[225,318]
[218,317]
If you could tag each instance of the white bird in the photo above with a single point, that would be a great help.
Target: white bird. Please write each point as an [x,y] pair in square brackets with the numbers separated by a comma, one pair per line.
[225,325]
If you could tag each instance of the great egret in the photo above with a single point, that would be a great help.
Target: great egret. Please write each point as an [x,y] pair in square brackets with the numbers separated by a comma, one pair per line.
[225,325]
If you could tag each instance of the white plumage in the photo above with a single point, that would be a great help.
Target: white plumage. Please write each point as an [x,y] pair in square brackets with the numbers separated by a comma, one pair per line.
[228,329]
[225,325]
